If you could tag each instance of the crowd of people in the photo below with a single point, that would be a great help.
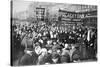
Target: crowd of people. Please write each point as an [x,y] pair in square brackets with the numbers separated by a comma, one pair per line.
[39,43]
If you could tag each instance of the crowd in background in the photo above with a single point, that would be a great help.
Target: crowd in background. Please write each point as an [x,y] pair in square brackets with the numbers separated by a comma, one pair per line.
[40,43]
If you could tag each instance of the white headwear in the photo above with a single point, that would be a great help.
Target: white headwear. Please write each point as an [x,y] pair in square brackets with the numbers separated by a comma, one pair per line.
[50,51]
[41,41]
[66,45]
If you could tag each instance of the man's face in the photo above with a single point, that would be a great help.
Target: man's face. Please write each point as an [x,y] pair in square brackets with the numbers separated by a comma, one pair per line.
[38,49]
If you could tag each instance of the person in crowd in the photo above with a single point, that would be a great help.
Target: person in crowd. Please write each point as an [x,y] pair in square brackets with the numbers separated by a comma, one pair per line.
[42,56]
[65,57]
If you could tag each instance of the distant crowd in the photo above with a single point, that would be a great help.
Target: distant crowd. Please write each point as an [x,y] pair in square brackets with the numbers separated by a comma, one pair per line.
[40,43]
